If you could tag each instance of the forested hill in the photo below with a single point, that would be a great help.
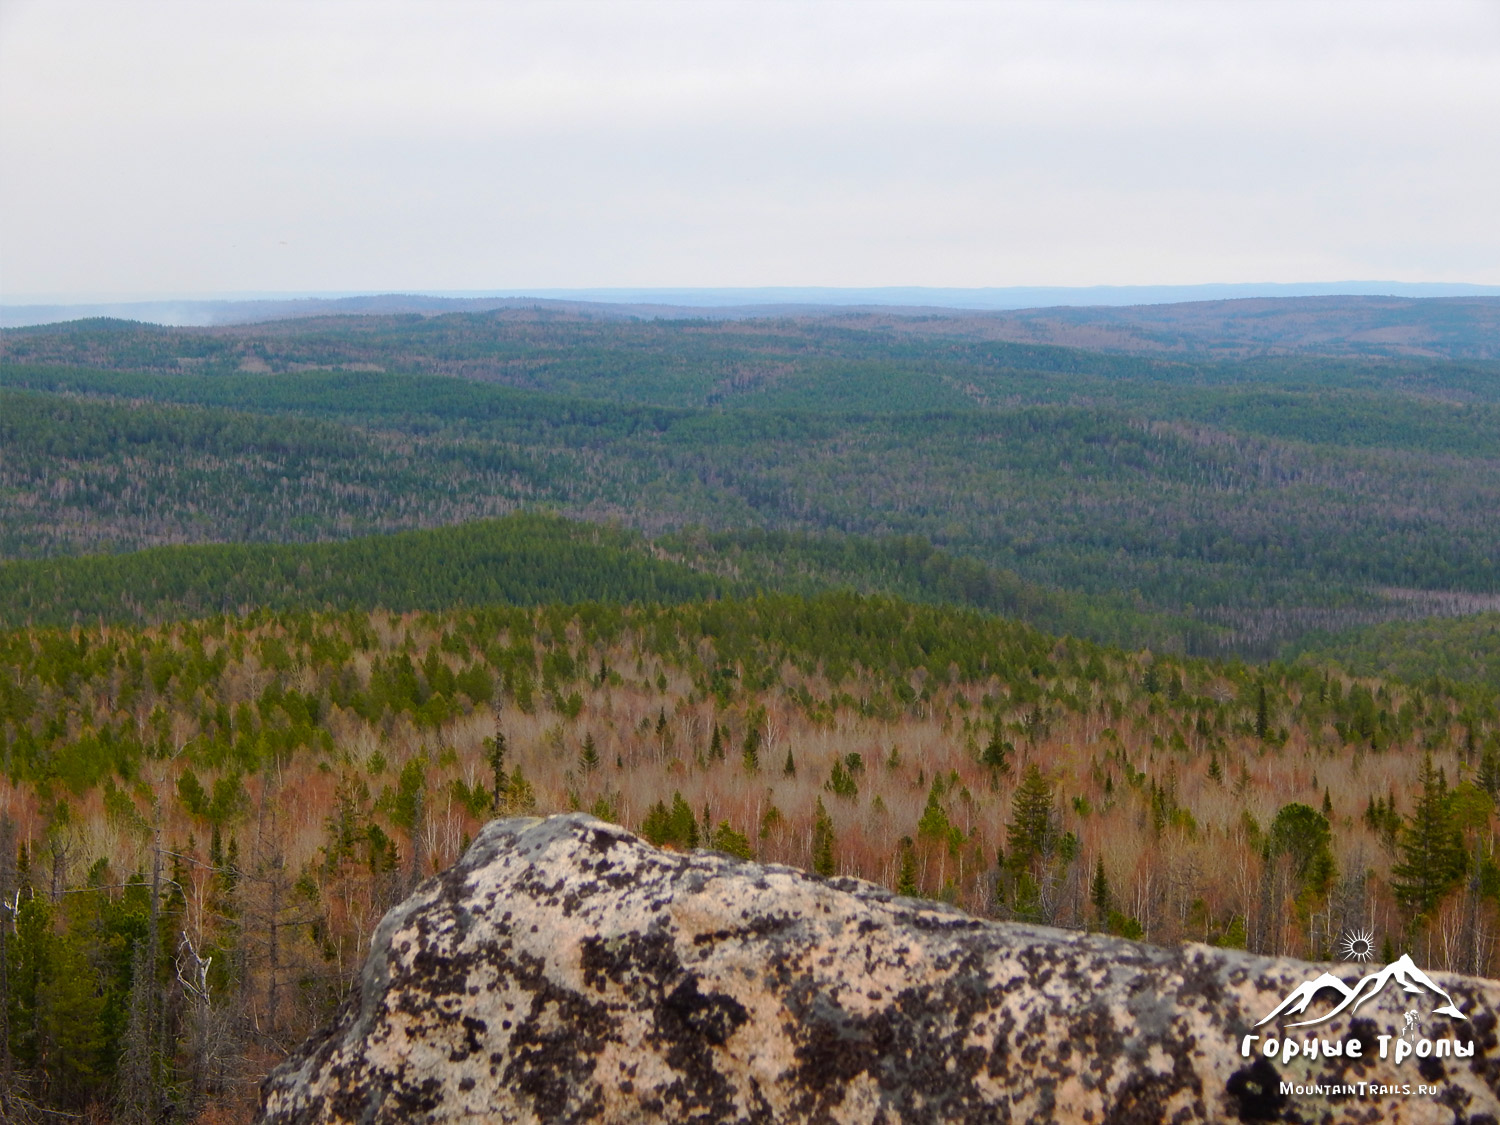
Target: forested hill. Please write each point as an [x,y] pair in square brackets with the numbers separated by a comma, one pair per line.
[1242,502]
[856,360]
[532,559]
[1265,537]
[520,560]
[1463,648]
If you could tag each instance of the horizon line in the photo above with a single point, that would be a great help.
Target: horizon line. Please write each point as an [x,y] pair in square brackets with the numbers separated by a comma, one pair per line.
[222,310]
[1347,287]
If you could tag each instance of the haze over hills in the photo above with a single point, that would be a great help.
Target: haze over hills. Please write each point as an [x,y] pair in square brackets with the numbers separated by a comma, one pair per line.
[1352,318]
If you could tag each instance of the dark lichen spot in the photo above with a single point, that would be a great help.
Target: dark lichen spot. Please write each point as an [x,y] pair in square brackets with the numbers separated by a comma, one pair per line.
[712,1015]
[1255,1092]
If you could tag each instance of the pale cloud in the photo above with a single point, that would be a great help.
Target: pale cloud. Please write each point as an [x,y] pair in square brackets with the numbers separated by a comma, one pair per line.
[150,148]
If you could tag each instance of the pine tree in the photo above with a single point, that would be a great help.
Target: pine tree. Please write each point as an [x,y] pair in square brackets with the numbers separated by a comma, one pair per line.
[1431,847]
[822,849]
[519,793]
[1302,834]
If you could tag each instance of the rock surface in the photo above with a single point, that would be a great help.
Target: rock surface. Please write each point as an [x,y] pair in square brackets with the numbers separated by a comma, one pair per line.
[564,970]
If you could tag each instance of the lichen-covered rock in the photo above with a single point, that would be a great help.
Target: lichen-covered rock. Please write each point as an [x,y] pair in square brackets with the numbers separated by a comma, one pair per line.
[566,971]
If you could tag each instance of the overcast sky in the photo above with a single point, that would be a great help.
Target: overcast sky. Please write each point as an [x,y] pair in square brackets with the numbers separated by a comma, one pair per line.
[150,148]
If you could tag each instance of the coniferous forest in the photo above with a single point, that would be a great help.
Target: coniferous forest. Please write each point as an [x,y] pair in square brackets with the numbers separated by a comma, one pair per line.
[1182,646]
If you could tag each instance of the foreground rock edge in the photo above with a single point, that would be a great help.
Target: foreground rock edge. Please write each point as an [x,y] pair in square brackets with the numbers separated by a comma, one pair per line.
[565,970]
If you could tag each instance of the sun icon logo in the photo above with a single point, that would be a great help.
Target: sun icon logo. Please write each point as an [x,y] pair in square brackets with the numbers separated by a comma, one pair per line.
[1357,945]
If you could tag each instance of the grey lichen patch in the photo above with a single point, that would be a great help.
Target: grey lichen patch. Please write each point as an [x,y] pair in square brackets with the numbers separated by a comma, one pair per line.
[565,971]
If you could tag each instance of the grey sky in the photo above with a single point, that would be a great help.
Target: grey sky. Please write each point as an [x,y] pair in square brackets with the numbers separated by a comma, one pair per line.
[151,148]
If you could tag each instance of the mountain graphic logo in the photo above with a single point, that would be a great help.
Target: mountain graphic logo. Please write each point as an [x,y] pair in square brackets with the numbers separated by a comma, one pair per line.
[1403,971]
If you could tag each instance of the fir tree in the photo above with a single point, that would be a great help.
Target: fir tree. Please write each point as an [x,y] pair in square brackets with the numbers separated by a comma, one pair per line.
[789,768]
[588,758]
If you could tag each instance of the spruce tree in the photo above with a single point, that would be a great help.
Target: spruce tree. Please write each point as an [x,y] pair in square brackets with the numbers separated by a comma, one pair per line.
[588,759]
[1099,893]
[789,769]
[752,750]
[1432,854]
[682,828]
[997,752]
[495,753]
[822,849]
[906,876]
[1032,830]
[1489,770]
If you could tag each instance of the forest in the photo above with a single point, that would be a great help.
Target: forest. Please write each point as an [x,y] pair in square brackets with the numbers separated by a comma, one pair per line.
[1239,515]
[166,893]
[1176,646]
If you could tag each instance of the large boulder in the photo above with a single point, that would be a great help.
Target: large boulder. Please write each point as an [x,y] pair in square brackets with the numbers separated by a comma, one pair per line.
[565,970]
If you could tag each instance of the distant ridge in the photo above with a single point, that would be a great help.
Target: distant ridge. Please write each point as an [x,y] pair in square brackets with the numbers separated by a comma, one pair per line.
[716,302]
